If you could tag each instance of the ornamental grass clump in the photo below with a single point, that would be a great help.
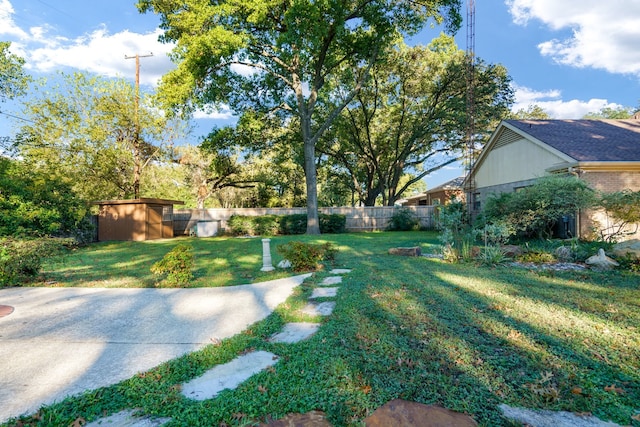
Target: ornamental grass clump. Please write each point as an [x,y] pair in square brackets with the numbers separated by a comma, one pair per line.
[177,265]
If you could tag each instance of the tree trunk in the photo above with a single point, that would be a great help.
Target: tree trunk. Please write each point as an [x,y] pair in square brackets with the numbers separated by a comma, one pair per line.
[313,223]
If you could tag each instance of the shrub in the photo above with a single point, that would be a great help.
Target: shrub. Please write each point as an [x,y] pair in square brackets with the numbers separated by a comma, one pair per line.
[331,223]
[536,256]
[266,225]
[241,225]
[623,207]
[21,259]
[535,210]
[497,233]
[307,256]
[403,219]
[177,265]
[293,224]
[271,225]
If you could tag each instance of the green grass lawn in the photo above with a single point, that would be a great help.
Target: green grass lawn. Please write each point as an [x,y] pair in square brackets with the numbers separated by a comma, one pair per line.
[458,335]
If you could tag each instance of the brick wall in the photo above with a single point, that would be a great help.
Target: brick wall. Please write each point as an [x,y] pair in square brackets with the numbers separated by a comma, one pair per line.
[606,182]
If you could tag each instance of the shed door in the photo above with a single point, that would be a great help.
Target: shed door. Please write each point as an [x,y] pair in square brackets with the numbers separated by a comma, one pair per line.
[154,222]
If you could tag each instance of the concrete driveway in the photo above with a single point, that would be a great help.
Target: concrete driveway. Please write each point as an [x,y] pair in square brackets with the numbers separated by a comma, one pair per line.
[63,341]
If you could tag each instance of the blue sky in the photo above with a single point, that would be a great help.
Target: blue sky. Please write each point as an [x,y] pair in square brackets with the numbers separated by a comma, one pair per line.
[569,57]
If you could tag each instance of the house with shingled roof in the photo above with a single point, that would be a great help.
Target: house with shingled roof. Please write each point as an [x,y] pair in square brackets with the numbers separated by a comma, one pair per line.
[440,195]
[603,153]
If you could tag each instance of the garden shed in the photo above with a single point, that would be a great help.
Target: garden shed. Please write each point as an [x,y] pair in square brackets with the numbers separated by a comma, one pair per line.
[136,219]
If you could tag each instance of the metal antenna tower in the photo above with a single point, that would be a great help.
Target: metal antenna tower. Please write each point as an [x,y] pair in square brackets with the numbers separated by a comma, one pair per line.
[470,131]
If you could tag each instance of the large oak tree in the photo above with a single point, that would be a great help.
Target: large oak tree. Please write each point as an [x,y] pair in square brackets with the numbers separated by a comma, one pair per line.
[411,120]
[277,55]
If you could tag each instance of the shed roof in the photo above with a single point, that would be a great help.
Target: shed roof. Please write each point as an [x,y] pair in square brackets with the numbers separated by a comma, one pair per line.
[587,140]
[148,201]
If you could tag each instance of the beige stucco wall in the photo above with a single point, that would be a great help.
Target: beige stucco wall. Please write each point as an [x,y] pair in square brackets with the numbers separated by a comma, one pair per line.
[517,161]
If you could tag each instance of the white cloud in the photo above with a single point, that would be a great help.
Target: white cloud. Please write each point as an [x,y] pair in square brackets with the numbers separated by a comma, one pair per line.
[603,34]
[223,113]
[550,101]
[103,53]
[7,26]
[96,52]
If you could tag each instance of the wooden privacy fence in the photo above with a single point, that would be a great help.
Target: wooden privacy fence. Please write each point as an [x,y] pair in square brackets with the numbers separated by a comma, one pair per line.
[372,218]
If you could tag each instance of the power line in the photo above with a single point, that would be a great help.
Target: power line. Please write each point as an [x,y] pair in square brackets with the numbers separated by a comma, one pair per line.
[17,117]
[56,9]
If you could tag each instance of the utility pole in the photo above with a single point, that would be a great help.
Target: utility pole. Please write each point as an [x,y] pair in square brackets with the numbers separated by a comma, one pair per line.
[137,161]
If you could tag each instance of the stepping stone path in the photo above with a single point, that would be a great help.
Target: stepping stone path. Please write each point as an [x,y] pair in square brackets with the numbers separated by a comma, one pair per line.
[294,332]
[321,309]
[324,292]
[128,419]
[394,413]
[230,375]
[333,280]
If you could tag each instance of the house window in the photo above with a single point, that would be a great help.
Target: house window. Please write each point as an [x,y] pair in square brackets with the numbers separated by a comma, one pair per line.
[167,213]
[476,201]
[422,202]
[436,201]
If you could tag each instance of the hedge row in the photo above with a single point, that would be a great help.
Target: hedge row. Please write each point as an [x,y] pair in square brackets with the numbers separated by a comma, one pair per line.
[272,225]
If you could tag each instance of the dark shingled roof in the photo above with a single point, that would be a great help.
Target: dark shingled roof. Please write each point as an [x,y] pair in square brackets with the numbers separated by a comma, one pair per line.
[454,184]
[587,140]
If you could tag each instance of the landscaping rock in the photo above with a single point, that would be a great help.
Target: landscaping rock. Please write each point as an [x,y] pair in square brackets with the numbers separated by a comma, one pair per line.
[285,263]
[413,251]
[601,261]
[310,419]
[512,251]
[564,253]
[629,247]
[545,418]
[402,413]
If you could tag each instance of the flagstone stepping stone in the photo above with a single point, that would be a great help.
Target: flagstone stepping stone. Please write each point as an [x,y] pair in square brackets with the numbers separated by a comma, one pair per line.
[294,332]
[310,419]
[324,292]
[228,376]
[333,280]
[546,418]
[128,419]
[321,309]
[402,413]
[340,271]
